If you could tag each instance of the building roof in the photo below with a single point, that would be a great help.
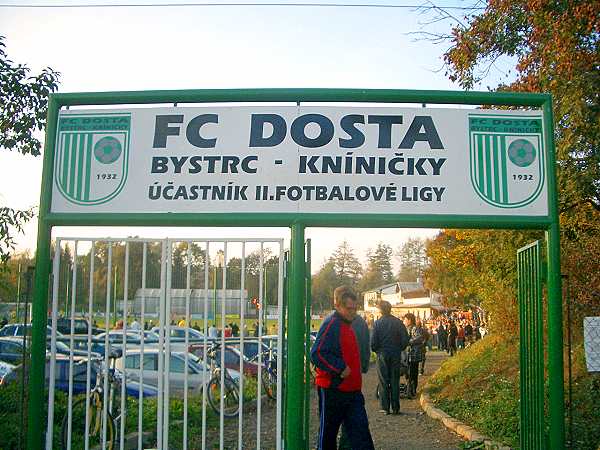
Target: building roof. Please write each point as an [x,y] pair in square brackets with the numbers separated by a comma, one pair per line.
[405,287]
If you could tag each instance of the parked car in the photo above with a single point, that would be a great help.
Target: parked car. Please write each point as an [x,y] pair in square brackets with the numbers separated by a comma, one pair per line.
[63,325]
[61,377]
[130,364]
[115,337]
[81,344]
[8,372]
[63,348]
[178,333]
[18,329]
[232,358]
[11,349]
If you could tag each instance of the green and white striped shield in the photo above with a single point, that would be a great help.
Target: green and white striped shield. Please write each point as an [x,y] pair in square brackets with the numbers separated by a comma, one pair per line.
[91,160]
[507,158]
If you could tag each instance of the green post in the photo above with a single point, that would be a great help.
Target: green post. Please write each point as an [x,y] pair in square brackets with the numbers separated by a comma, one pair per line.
[555,330]
[306,435]
[37,407]
[295,342]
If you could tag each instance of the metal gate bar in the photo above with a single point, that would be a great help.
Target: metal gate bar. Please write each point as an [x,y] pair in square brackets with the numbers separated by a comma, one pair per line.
[531,347]
[113,426]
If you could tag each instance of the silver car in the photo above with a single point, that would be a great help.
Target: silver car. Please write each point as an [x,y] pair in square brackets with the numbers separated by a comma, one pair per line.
[130,364]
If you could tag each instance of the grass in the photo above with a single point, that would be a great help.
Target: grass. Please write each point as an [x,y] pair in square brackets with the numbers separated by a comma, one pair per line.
[480,386]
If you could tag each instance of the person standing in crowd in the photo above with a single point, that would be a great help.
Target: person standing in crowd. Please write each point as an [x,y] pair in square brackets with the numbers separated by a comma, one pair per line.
[235,330]
[442,337]
[415,353]
[389,339]
[426,339]
[212,331]
[361,331]
[460,337]
[468,333]
[482,330]
[452,334]
[336,356]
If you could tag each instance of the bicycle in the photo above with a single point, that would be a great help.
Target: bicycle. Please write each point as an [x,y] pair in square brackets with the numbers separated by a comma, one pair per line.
[101,432]
[231,389]
[269,374]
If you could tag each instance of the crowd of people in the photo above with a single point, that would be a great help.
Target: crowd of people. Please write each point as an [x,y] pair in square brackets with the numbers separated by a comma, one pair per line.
[453,331]
[341,354]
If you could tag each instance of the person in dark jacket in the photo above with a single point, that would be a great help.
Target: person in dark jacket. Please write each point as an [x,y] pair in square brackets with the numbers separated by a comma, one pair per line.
[336,356]
[415,353]
[452,335]
[442,337]
[388,341]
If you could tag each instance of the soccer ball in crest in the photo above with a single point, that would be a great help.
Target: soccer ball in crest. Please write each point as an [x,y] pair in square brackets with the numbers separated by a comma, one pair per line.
[521,152]
[107,150]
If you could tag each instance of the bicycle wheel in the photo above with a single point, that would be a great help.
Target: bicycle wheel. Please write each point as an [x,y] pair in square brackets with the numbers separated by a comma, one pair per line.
[231,396]
[269,382]
[94,427]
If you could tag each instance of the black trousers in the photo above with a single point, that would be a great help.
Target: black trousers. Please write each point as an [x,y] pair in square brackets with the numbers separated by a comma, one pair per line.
[413,376]
[388,371]
[348,408]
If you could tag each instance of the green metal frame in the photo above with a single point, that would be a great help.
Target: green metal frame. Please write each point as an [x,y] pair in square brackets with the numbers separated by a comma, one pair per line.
[297,223]
[529,267]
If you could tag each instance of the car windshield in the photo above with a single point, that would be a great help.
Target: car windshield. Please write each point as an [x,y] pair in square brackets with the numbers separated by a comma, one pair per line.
[60,347]
[196,362]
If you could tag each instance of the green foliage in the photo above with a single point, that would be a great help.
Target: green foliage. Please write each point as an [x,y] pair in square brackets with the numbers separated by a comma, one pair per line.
[480,386]
[9,276]
[478,267]
[24,101]
[11,220]
[557,49]
[346,265]
[413,259]
[342,268]
[379,267]
[322,285]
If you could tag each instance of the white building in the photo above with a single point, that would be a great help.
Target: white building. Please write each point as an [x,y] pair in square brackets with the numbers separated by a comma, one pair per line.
[197,300]
[404,297]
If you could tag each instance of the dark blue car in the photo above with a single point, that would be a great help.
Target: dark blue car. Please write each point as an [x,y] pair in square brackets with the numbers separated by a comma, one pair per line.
[61,378]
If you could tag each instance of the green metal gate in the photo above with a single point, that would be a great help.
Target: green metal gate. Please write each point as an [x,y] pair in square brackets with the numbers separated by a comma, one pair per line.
[529,266]
[294,392]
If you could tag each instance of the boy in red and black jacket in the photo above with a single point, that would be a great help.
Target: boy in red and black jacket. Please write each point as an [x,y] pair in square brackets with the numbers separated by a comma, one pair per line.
[336,355]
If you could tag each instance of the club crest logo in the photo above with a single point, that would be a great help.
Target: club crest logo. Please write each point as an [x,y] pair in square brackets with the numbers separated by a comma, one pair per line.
[507,158]
[91,159]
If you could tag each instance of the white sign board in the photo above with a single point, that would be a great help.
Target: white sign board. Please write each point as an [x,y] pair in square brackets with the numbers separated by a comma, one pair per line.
[591,339]
[300,160]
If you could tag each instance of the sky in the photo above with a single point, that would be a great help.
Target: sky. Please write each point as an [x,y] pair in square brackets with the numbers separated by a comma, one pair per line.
[203,47]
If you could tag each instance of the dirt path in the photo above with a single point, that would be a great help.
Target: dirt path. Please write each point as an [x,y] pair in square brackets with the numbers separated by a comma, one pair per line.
[413,429]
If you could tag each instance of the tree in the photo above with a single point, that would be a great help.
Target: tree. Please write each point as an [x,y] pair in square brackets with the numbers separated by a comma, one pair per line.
[379,267]
[413,260]
[556,46]
[346,265]
[24,101]
[557,49]
[466,271]
[322,285]
[9,278]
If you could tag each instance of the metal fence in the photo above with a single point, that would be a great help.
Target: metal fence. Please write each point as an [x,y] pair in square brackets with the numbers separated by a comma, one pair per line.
[127,388]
